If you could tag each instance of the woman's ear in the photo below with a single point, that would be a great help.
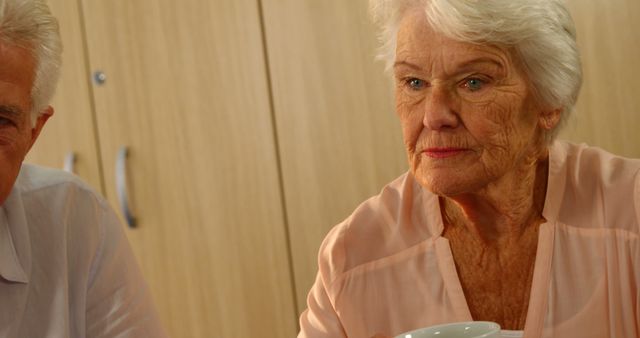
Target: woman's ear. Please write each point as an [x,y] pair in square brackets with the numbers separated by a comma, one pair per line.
[549,119]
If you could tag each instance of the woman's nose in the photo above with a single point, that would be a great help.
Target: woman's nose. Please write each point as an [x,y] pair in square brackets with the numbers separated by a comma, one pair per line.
[439,110]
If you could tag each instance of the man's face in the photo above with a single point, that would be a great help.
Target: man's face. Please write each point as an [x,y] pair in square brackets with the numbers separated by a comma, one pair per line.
[17,73]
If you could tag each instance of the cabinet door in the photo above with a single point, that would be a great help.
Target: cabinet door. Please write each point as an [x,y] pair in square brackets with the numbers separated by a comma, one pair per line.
[340,141]
[186,91]
[608,109]
[71,129]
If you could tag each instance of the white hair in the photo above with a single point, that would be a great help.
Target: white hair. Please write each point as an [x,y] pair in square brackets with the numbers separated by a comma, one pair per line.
[540,32]
[30,24]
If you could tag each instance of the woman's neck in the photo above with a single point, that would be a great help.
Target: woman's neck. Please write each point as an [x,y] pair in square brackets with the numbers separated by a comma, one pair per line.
[501,211]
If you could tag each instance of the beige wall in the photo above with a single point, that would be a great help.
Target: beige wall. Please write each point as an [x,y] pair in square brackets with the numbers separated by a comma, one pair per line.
[608,110]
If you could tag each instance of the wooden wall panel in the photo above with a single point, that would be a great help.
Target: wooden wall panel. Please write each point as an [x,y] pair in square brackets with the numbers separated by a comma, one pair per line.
[608,110]
[340,141]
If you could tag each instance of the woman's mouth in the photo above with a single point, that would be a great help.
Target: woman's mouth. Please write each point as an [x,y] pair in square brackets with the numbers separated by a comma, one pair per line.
[443,152]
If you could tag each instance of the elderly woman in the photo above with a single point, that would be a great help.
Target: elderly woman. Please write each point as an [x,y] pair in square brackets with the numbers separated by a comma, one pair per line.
[495,220]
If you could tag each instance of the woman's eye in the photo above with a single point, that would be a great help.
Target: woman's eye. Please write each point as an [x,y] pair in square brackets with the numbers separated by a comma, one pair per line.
[474,84]
[415,83]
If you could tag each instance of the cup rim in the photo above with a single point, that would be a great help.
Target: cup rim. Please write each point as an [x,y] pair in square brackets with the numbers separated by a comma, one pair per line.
[494,327]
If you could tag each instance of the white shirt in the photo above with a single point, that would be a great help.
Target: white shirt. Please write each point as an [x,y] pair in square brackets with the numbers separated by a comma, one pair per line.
[66,268]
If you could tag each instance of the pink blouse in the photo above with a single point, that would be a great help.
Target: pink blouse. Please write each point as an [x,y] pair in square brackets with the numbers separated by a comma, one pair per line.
[386,269]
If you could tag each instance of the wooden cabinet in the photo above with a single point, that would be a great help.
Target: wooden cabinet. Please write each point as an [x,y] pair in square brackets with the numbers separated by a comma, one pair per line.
[186,91]
[340,141]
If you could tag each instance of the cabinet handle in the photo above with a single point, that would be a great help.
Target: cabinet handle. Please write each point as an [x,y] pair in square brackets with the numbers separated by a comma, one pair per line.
[121,186]
[70,162]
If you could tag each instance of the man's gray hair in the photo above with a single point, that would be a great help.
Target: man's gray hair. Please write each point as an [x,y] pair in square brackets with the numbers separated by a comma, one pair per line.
[30,24]
[540,32]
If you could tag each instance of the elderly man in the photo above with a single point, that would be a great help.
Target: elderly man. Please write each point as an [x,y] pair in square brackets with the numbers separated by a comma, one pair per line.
[66,269]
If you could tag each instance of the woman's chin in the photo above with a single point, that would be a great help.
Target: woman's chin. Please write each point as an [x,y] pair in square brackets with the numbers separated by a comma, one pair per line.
[447,183]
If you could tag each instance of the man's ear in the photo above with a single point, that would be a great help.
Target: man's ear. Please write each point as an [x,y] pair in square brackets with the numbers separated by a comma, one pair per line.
[42,118]
[549,119]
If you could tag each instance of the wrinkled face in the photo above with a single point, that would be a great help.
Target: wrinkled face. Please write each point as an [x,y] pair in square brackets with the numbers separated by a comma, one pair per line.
[467,114]
[16,135]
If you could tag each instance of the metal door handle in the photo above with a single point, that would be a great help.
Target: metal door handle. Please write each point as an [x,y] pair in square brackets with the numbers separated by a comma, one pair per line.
[70,162]
[121,186]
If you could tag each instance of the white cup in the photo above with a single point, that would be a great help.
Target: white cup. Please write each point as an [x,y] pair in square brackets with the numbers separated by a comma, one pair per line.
[456,330]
